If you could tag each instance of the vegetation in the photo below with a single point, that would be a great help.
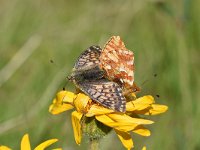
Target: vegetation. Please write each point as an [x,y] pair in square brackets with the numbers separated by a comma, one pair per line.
[41,40]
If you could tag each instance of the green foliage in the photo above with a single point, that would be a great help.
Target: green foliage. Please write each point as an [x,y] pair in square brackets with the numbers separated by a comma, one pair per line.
[164,36]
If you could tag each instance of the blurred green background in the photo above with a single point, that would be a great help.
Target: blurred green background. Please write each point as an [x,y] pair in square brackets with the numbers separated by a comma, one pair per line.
[164,35]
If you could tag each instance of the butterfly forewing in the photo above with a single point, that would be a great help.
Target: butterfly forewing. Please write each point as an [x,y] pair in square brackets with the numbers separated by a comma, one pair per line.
[87,66]
[105,92]
[89,58]
[118,61]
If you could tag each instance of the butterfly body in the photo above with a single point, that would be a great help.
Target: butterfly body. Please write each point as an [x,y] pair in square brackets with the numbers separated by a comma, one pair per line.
[87,74]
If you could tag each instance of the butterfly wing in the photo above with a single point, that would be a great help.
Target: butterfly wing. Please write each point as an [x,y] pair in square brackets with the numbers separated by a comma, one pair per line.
[89,58]
[105,92]
[87,65]
[118,61]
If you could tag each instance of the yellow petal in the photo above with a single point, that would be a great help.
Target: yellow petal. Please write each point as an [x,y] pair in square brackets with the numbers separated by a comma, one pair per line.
[59,108]
[125,125]
[62,102]
[117,125]
[45,144]
[144,148]
[140,103]
[157,109]
[125,128]
[97,110]
[81,102]
[66,97]
[120,117]
[25,143]
[76,118]
[125,138]
[2,147]
[142,131]
[104,119]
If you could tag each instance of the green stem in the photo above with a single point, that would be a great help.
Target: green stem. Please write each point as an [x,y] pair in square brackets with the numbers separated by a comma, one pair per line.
[94,144]
[95,131]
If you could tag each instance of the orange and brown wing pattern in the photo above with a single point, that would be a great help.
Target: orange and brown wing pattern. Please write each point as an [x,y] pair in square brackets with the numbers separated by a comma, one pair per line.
[118,62]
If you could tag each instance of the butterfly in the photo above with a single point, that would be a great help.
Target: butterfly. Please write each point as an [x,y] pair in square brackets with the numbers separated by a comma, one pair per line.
[90,79]
[118,63]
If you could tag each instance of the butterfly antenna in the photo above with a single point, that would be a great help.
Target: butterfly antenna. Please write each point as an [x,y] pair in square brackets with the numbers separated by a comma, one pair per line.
[69,78]
[147,80]
[65,85]
[144,82]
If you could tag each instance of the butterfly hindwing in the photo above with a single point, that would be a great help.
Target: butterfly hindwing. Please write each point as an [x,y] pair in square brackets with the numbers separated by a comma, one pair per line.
[105,92]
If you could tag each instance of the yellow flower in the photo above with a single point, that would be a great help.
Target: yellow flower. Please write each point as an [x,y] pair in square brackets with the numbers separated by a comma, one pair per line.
[122,123]
[144,148]
[4,147]
[25,144]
